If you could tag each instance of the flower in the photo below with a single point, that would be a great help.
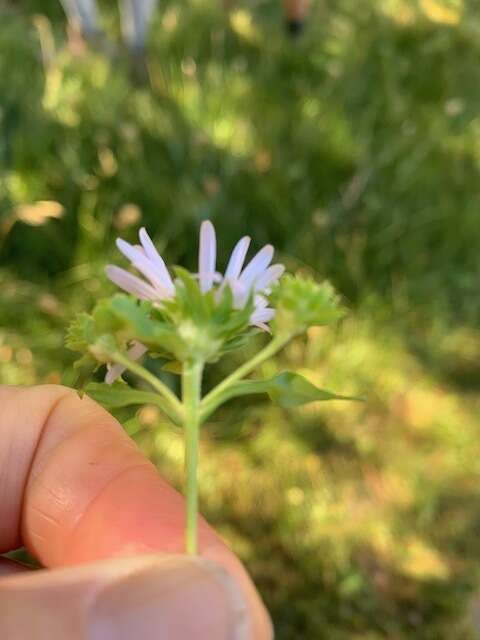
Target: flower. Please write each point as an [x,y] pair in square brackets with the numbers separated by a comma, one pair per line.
[302,302]
[146,259]
[256,278]
[157,285]
[135,352]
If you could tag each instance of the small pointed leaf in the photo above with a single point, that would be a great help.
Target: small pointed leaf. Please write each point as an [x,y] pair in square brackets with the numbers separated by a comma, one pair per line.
[120,395]
[287,389]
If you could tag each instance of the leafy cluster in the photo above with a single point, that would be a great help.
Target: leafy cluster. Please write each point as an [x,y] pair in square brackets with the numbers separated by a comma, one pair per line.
[301,303]
[192,325]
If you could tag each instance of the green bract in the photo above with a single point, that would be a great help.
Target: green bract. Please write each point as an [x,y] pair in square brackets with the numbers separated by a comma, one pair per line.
[192,325]
[301,303]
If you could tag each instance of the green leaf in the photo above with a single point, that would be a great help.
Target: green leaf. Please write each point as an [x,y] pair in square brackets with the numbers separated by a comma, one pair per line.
[119,395]
[153,333]
[81,333]
[287,389]
[239,341]
[189,296]
[173,366]
[131,314]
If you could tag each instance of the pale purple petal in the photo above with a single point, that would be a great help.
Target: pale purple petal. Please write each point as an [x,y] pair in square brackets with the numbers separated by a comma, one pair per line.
[156,258]
[216,277]
[130,283]
[262,315]
[239,292]
[235,264]
[145,266]
[263,326]
[207,256]
[221,288]
[257,266]
[114,371]
[137,350]
[260,302]
[268,277]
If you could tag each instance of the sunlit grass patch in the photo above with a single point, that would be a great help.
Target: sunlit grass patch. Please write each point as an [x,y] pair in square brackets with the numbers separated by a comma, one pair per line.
[443,11]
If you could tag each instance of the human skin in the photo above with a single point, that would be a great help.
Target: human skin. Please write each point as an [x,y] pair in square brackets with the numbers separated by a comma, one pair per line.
[109,530]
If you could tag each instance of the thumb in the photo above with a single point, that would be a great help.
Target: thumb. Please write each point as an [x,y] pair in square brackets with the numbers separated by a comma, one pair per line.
[166,597]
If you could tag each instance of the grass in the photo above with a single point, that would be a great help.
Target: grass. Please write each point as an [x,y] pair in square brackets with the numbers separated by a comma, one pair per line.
[355,151]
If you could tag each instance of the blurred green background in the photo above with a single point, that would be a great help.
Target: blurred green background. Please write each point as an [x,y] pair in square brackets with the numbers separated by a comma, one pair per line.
[355,149]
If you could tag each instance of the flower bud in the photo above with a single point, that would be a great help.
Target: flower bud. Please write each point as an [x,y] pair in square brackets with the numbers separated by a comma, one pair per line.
[301,303]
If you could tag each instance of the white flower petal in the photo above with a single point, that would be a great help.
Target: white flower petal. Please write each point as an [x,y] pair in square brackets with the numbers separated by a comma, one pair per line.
[130,283]
[255,279]
[262,315]
[239,292]
[137,350]
[263,326]
[256,266]
[235,264]
[260,302]
[144,265]
[268,277]
[207,254]
[114,371]
[153,255]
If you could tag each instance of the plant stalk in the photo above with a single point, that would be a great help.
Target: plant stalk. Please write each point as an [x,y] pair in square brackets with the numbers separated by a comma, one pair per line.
[153,381]
[216,396]
[191,396]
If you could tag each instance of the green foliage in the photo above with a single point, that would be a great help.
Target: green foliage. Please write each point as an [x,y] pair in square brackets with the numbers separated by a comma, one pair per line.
[136,322]
[209,325]
[302,303]
[119,394]
[287,389]
[365,169]
[81,333]
[92,336]
[355,152]
[191,325]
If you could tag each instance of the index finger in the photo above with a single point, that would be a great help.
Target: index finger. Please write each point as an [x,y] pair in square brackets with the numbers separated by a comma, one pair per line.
[74,488]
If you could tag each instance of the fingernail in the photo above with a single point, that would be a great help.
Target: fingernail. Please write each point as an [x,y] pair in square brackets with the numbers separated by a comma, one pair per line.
[179,598]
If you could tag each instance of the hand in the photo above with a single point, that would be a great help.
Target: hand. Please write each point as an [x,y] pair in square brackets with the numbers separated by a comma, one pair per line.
[76,491]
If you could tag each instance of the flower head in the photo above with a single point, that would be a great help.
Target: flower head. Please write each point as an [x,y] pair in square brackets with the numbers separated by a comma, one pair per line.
[255,279]
[301,303]
[249,285]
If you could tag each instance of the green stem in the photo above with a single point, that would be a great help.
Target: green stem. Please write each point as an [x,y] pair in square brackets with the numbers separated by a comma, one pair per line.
[217,395]
[153,381]
[191,396]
